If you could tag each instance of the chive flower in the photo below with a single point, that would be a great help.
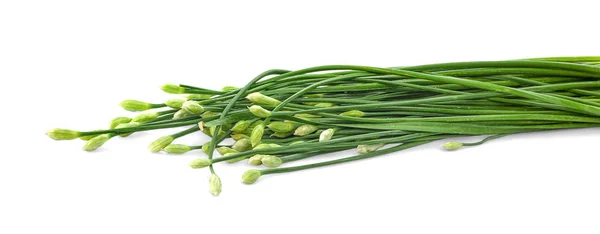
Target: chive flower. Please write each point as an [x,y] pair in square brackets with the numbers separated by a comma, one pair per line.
[96,142]
[63,134]
[135,105]
[271,161]
[238,136]
[305,129]
[257,134]
[119,120]
[259,111]
[200,163]
[160,143]
[256,159]
[260,99]
[326,135]
[214,184]
[226,150]
[281,127]
[180,114]
[452,145]
[145,117]
[177,149]
[196,96]
[353,113]
[192,107]
[250,176]
[363,149]
[229,88]
[173,89]
[127,125]
[241,125]
[242,145]
[175,103]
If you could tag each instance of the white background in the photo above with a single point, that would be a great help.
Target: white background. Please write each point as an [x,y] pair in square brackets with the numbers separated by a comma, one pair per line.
[69,63]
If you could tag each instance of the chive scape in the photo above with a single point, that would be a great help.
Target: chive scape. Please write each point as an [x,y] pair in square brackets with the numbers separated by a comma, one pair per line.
[284,116]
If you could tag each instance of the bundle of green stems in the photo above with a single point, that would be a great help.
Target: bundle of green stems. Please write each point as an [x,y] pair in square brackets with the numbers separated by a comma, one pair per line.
[282,116]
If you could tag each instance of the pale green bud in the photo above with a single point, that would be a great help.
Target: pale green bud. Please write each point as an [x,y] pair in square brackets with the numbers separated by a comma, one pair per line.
[326,135]
[180,114]
[211,130]
[240,126]
[250,176]
[209,114]
[363,149]
[242,145]
[175,103]
[353,113]
[305,130]
[324,105]
[63,134]
[233,160]
[192,107]
[282,134]
[196,96]
[119,120]
[259,111]
[127,125]
[257,134]
[135,105]
[256,159]
[260,99]
[226,150]
[239,136]
[229,88]
[205,147]
[160,143]
[296,142]
[177,149]
[266,146]
[173,89]
[271,161]
[279,126]
[145,117]
[452,145]
[200,163]
[96,142]
[307,116]
[214,185]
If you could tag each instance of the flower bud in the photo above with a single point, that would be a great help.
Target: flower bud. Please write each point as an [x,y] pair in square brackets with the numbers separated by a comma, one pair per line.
[279,126]
[324,105]
[229,88]
[240,126]
[196,96]
[242,145]
[119,120]
[353,113]
[226,150]
[326,135]
[452,145]
[88,137]
[96,142]
[238,136]
[209,114]
[135,105]
[305,130]
[266,146]
[181,114]
[214,185]
[256,159]
[192,107]
[307,116]
[259,111]
[177,149]
[271,161]
[257,134]
[145,117]
[363,149]
[260,99]
[63,134]
[160,143]
[175,103]
[200,163]
[233,160]
[205,147]
[250,176]
[127,125]
[282,134]
[172,89]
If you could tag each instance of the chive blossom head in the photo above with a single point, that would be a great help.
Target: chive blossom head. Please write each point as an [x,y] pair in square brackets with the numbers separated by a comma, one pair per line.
[363,149]
[214,185]
[260,99]
[200,163]
[242,145]
[259,111]
[119,120]
[256,159]
[353,113]
[127,125]
[238,136]
[257,134]
[233,160]
[266,146]
[160,143]
[145,117]
[63,134]
[96,142]
[135,105]
[241,125]
[196,96]
[175,103]
[250,176]
[226,150]
[452,145]
[305,130]
[192,107]
[181,114]
[229,88]
[177,149]
[173,89]
[271,161]
[279,126]
[326,135]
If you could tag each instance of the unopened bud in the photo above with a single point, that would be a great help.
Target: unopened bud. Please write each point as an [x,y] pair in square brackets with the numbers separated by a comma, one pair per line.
[192,107]
[63,134]
[200,163]
[127,125]
[241,125]
[353,113]
[233,160]
[279,126]
[242,145]
[181,114]
[214,185]
[135,105]
[259,111]
[175,103]
[172,89]
[145,117]
[260,99]
[250,176]
[257,134]
[326,135]
[307,116]
[160,143]
[119,120]
[226,150]
[96,142]
[238,136]
[305,130]
[266,146]
[363,149]
[177,149]
[229,88]
[282,134]
[271,161]
[256,159]
[452,145]
[196,96]
[324,105]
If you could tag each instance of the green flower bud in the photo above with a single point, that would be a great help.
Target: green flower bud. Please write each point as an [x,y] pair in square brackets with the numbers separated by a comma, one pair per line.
[242,145]
[205,147]
[452,145]
[259,111]
[250,176]
[211,131]
[305,130]
[279,126]
[135,105]
[260,99]
[307,116]
[233,160]
[96,142]
[239,136]
[363,149]
[214,185]
[173,89]
[119,120]
[282,134]
[229,88]
[353,113]
[200,163]
[63,134]
[296,142]
[160,143]
[315,95]
[192,107]
[196,96]
[256,159]
[240,126]
[177,149]
[145,117]
[226,150]
[175,103]
[324,105]
[88,137]
[127,125]
[180,114]
[271,161]
[257,134]
[209,114]
[326,135]
[266,146]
